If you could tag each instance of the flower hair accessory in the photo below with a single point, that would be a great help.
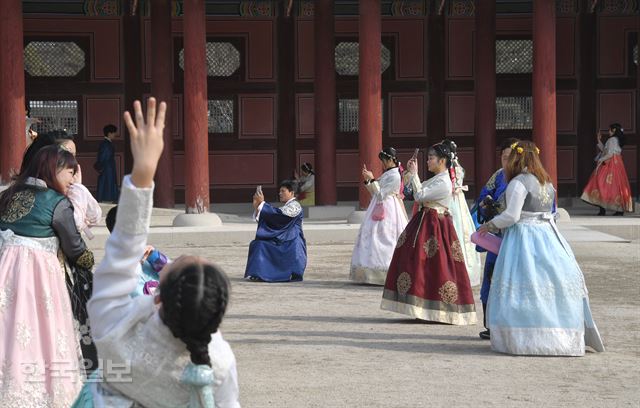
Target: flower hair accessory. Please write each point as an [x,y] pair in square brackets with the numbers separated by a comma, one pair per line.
[520,149]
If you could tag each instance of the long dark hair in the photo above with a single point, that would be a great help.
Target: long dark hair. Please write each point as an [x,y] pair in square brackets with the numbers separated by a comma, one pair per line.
[618,132]
[45,139]
[194,300]
[442,151]
[45,165]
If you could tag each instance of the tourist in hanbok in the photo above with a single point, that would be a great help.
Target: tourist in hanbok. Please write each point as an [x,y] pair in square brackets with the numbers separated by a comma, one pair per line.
[39,353]
[490,203]
[163,350]
[86,213]
[427,278]
[608,187]
[306,185]
[538,302]
[279,251]
[383,223]
[462,220]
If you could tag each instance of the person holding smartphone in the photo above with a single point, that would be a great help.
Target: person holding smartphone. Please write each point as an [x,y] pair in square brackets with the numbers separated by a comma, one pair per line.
[383,223]
[279,251]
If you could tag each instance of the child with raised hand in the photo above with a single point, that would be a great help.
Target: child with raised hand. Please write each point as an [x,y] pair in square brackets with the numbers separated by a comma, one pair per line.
[166,350]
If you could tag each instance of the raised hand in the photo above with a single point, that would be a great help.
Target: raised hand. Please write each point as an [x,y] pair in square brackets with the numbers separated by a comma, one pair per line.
[258,198]
[367,174]
[412,166]
[146,140]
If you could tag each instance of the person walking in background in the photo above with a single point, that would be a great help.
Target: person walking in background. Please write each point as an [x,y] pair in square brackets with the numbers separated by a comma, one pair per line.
[490,203]
[427,278]
[306,185]
[538,302]
[608,187]
[105,165]
[383,223]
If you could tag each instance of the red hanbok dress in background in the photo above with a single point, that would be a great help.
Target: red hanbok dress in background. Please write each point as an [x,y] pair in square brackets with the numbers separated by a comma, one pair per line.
[427,278]
[608,186]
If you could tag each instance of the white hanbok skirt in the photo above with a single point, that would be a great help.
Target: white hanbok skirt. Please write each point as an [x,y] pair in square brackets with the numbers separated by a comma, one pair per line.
[376,242]
[464,226]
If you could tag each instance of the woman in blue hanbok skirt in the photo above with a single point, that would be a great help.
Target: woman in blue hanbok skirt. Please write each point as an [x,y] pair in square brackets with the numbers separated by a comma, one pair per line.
[538,301]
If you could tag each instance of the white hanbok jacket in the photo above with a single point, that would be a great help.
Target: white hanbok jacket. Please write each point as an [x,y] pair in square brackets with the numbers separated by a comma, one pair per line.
[139,357]
[377,239]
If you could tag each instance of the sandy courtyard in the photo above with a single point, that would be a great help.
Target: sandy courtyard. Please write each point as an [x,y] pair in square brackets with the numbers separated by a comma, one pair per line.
[326,343]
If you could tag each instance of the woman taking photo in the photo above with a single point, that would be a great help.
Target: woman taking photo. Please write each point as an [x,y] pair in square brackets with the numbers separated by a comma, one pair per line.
[538,303]
[383,223]
[427,278]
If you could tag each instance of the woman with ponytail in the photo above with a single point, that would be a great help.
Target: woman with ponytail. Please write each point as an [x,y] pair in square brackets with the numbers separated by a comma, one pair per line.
[383,223]
[165,350]
[538,301]
[427,278]
[461,215]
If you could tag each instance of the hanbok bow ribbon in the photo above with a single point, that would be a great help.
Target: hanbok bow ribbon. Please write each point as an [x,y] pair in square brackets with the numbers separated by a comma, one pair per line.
[200,378]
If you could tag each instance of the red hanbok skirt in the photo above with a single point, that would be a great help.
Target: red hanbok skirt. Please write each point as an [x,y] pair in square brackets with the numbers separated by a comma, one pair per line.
[609,187]
[427,278]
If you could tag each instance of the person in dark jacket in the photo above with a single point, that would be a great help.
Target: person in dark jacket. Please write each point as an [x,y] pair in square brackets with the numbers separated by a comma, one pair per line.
[106,167]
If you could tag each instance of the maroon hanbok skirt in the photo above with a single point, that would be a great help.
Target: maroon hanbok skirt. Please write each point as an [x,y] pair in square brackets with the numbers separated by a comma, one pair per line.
[427,278]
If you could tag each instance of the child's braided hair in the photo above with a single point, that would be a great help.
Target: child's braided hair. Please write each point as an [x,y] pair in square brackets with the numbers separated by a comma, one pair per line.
[194,300]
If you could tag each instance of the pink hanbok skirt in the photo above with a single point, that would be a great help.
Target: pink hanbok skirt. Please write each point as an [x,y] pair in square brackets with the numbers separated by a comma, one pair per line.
[39,353]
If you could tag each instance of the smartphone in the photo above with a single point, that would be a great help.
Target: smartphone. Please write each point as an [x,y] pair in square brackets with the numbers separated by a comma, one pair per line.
[259,190]
[415,153]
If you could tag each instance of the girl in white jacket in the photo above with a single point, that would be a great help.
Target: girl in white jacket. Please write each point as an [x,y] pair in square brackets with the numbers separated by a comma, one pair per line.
[162,351]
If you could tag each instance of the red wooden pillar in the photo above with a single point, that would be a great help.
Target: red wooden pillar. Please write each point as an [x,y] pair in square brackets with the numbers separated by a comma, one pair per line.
[325,103]
[162,90]
[544,84]
[12,107]
[485,91]
[369,92]
[196,133]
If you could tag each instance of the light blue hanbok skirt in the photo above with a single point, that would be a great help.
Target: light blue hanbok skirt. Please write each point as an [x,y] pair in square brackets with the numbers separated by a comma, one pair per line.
[538,301]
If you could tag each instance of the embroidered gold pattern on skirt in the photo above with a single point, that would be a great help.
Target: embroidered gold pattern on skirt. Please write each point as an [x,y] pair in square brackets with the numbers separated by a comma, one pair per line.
[402,239]
[449,292]
[456,251]
[431,247]
[403,283]
[609,178]
[20,205]
[595,194]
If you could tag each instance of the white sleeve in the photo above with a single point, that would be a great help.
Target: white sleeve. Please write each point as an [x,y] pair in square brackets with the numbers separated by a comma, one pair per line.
[227,395]
[117,275]
[431,190]
[256,214]
[515,196]
[610,148]
[390,185]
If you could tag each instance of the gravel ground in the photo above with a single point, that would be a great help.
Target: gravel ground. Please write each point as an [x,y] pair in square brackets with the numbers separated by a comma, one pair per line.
[326,343]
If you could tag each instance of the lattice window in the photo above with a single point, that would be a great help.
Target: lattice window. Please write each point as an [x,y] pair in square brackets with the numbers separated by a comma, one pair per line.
[347,56]
[223,59]
[55,115]
[348,115]
[514,56]
[514,112]
[53,59]
[220,116]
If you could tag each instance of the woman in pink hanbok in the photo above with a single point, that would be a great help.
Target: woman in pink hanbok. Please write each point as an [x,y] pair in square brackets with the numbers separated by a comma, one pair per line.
[39,353]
